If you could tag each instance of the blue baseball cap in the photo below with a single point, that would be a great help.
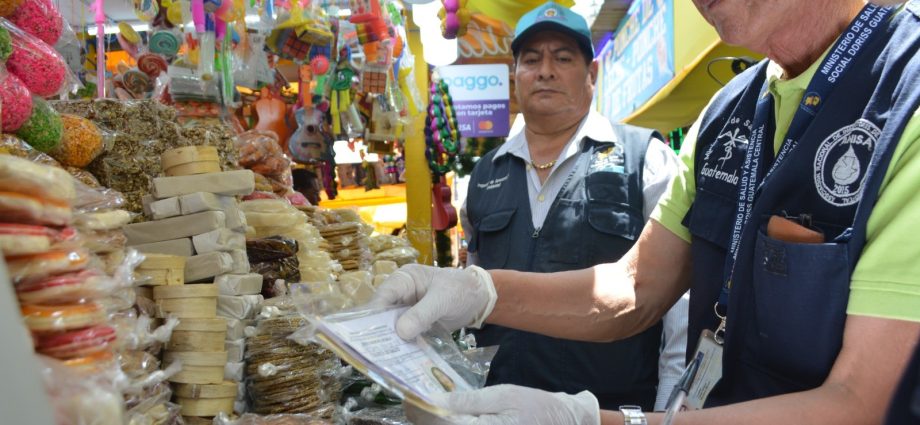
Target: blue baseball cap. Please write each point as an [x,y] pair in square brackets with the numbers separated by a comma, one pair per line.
[555,17]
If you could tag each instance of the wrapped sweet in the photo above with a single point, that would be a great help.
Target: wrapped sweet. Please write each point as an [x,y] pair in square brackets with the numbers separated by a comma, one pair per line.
[40,68]
[81,142]
[6,44]
[16,101]
[40,18]
[44,128]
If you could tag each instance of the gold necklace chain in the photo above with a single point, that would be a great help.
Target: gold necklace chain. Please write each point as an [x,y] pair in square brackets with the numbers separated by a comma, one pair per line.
[542,166]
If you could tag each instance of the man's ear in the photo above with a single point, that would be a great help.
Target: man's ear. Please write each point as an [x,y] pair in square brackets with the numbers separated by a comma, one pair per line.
[592,71]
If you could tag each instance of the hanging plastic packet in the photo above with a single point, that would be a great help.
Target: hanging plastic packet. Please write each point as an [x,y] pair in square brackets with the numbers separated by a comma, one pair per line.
[16,101]
[206,51]
[37,64]
[39,18]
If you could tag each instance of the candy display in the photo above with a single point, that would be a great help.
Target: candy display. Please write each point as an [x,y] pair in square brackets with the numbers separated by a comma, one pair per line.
[80,144]
[12,145]
[16,101]
[44,128]
[39,18]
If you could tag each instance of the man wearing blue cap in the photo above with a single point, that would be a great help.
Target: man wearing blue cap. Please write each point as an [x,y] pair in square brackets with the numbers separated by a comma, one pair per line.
[568,190]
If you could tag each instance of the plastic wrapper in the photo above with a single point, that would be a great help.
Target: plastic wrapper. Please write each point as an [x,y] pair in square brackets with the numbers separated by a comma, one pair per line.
[92,199]
[22,176]
[284,268]
[76,343]
[402,255]
[137,364]
[103,241]
[81,399]
[379,243]
[376,416]
[27,239]
[12,145]
[80,144]
[16,101]
[19,208]
[261,153]
[44,128]
[37,64]
[287,377]
[282,419]
[436,343]
[65,288]
[357,285]
[261,194]
[6,44]
[39,18]
[84,177]
[37,266]
[272,248]
[102,220]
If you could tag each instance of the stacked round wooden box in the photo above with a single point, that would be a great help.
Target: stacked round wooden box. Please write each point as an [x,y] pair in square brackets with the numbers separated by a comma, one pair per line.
[198,343]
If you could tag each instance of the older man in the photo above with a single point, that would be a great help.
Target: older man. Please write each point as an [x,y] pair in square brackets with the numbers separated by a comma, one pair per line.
[568,191]
[798,245]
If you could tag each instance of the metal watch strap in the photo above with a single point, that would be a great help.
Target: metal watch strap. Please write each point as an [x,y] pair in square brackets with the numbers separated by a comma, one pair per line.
[632,415]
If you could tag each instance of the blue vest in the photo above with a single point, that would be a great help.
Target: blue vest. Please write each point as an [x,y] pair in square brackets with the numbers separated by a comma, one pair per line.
[788,300]
[595,219]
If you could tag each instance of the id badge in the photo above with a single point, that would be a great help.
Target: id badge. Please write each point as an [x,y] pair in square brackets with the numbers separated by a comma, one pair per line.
[709,373]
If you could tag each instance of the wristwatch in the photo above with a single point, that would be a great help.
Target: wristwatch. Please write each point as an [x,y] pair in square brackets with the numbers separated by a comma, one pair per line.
[633,415]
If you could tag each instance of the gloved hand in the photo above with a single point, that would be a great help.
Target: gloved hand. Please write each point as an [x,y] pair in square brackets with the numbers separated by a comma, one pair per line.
[513,405]
[452,297]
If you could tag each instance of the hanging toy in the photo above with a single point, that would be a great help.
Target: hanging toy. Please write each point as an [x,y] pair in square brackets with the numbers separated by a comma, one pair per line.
[310,142]
[455,17]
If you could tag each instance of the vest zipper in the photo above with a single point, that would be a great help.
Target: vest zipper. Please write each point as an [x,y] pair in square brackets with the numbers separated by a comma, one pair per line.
[536,233]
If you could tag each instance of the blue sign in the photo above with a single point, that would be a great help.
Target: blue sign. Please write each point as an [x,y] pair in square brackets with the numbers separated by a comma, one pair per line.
[481,98]
[639,59]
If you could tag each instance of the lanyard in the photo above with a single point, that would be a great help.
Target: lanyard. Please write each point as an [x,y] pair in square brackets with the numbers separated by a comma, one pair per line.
[860,33]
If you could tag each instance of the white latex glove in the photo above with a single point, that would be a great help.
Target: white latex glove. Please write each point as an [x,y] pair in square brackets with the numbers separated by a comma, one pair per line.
[452,297]
[513,405]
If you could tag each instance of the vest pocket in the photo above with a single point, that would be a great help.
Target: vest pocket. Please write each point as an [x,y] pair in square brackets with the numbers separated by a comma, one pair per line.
[492,239]
[615,219]
[800,298]
[710,215]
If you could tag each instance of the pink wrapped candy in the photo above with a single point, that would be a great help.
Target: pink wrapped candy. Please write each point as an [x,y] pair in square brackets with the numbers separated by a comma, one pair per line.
[17,102]
[35,63]
[40,18]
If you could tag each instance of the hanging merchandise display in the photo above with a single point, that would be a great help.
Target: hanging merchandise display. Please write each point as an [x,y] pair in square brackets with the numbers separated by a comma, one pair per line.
[442,138]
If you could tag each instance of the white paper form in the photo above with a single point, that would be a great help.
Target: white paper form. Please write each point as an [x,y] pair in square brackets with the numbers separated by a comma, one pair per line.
[372,339]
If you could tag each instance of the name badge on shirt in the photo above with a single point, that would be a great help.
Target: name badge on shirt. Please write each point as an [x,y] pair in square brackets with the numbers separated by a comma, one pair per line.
[609,159]
[709,372]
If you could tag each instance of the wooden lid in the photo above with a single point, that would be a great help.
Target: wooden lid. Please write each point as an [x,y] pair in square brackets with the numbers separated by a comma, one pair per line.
[195,290]
[216,324]
[222,390]
[197,358]
[192,168]
[162,261]
[179,156]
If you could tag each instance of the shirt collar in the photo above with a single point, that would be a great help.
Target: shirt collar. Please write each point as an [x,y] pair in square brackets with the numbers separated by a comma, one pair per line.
[593,126]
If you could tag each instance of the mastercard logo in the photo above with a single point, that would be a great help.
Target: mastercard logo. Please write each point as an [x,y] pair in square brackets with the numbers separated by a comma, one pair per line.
[485,125]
